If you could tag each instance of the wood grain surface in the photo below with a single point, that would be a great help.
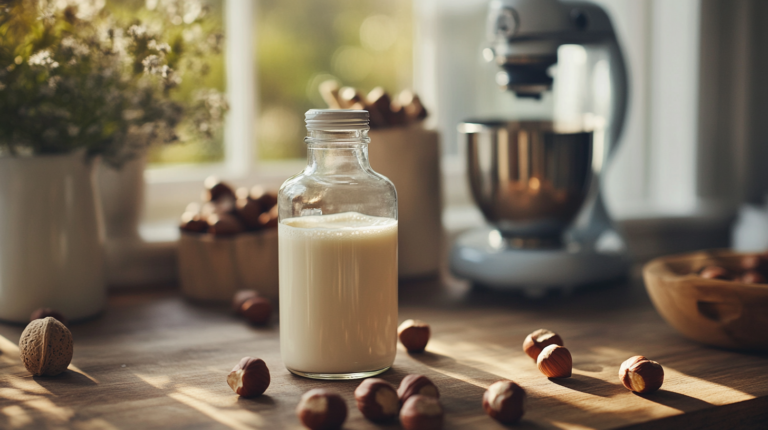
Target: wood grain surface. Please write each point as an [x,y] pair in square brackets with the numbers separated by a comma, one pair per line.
[155,361]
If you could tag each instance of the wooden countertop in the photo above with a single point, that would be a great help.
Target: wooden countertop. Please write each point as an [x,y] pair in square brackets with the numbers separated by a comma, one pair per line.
[155,361]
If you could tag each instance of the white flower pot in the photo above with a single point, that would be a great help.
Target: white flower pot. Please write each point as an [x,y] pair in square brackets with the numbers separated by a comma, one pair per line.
[51,237]
[122,197]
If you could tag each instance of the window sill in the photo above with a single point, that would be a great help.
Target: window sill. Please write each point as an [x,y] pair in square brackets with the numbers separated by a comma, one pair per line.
[151,258]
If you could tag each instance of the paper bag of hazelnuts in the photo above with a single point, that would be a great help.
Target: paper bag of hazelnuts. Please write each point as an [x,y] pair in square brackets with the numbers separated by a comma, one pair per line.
[408,153]
[229,243]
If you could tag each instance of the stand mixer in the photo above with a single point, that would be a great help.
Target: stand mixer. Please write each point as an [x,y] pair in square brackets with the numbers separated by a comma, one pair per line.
[536,178]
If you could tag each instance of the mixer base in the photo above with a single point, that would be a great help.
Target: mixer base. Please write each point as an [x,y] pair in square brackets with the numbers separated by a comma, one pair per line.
[481,256]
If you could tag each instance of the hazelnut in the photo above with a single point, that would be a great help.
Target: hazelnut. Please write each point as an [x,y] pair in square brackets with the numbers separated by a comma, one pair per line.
[414,335]
[377,399]
[224,225]
[715,272]
[249,378]
[412,105]
[754,262]
[421,413]
[265,199]
[219,207]
[504,401]
[555,362]
[412,385]
[752,277]
[48,312]
[269,219]
[216,190]
[242,193]
[641,375]
[320,409]
[193,222]
[257,310]
[348,96]
[248,210]
[46,347]
[240,297]
[538,340]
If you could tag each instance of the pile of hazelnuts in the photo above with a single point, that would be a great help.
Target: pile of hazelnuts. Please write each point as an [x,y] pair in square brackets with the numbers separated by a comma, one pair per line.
[383,110]
[637,374]
[504,400]
[415,401]
[752,269]
[226,212]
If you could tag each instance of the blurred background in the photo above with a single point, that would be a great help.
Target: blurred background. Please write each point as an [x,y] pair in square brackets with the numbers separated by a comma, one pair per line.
[689,171]
[692,145]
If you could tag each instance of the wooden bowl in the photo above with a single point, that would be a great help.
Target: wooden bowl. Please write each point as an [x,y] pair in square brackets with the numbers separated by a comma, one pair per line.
[728,314]
[212,269]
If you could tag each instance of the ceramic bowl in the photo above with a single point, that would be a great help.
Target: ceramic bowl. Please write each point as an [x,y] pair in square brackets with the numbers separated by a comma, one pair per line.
[728,314]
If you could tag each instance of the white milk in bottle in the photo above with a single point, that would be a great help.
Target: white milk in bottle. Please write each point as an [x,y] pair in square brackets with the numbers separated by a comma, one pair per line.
[337,236]
[338,293]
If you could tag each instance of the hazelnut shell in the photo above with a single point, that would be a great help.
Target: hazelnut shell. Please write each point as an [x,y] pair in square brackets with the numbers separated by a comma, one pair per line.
[414,335]
[320,409]
[377,400]
[413,385]
[240,297]
[421,413]
[752,277]
[46,347]
[715,272]
[641,375]
[269,219]
[249,378]
[216,190]
[266,199]
[535,342]
[248,210]
[257,310]
[755,262]
[224,225]
[504,401]
[555,362]
[193,223]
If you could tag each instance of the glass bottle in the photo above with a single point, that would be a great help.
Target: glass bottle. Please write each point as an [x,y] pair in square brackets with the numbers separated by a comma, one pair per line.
[338,255]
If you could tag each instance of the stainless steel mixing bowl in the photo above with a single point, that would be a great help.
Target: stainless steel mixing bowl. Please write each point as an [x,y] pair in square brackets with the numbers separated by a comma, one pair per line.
[528,180]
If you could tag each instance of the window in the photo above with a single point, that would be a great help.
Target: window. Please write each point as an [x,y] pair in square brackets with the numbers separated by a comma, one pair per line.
[277,53]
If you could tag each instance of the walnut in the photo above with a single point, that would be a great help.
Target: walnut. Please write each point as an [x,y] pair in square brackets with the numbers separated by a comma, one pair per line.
[46,347]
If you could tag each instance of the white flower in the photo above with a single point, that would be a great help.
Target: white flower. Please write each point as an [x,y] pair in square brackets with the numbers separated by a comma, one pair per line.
[77,48]
[137,31]
[160,47]
[43,58]
[151,64]
[86,9]
[192,11]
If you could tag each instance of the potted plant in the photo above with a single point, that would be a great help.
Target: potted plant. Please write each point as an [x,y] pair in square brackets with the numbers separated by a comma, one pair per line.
[78,84]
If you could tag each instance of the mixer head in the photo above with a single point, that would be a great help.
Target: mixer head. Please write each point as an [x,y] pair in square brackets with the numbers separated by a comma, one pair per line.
[526,34]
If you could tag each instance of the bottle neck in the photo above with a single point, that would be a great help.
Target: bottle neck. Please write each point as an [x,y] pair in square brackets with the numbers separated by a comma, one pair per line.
[337,152]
